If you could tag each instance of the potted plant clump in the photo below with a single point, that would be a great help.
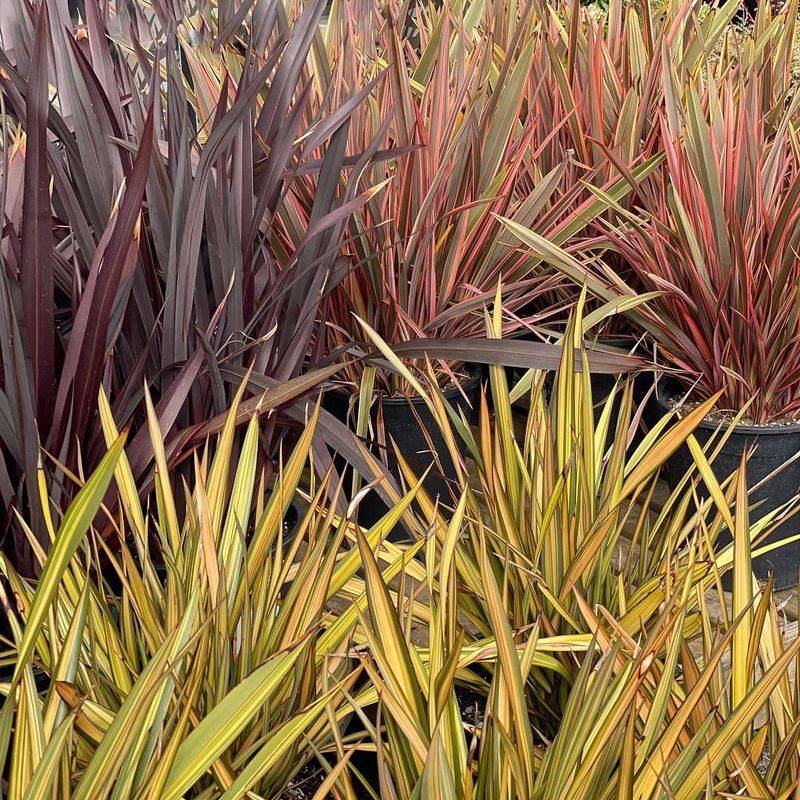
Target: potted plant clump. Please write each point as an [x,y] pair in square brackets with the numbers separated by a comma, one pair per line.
[596,47]
[719,240]
[428,249]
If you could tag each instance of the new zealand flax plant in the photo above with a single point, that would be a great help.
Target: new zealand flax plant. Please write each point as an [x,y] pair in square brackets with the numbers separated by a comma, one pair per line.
[426,252]
[596,91]
[590,109]
[566,499]
[206,655]
[147,156]
[720,241]
[655,715]
[599,85]
[712,235]
[562,643]
[223,659]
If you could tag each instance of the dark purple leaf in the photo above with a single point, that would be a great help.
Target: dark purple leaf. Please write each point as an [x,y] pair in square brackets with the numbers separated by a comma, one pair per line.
[112,266]
[514,353]
[36,263]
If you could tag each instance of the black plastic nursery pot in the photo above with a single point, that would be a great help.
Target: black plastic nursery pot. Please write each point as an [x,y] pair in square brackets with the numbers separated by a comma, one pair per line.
[642,383]
[409,423]
[41,678]
[603,383]
[772,446]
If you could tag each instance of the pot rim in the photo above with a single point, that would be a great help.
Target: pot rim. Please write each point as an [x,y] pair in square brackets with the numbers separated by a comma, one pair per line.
[792,428]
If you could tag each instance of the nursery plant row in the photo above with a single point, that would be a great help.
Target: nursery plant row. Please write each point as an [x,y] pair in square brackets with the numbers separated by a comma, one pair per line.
[399,399]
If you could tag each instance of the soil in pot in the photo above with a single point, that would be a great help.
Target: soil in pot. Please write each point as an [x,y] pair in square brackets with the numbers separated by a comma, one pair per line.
[305,784]
[409,423]
[472,708]
[773,446]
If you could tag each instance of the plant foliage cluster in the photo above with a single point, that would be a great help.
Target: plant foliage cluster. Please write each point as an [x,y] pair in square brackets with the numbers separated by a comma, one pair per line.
[218,213]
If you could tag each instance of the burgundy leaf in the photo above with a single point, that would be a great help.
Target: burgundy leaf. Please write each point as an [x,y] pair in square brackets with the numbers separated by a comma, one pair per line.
[112,266]
[36,263]
[514,353]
